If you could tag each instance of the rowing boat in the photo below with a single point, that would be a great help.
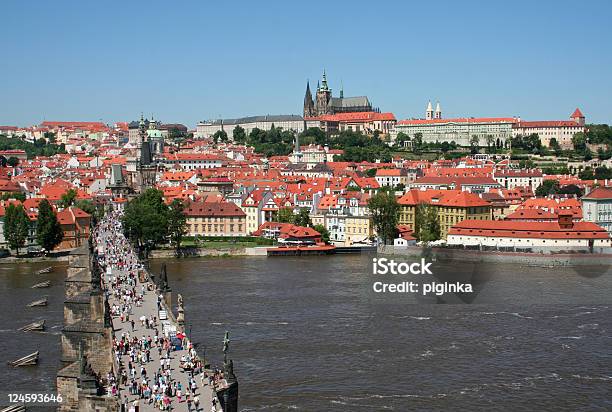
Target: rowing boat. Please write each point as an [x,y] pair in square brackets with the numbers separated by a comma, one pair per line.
[39,302]
[34,326]
[28,360]
[45,270]
[44,284]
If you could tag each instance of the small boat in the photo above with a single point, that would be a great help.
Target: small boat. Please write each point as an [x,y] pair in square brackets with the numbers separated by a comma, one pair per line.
[28,360]
[44,284]
[45,270]
[39,302]
[34,326]
[14,408]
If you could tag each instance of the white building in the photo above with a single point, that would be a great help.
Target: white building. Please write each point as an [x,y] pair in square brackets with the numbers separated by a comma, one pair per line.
[597,207]
[564,235]
[511,178]
[285,122]
[561,130]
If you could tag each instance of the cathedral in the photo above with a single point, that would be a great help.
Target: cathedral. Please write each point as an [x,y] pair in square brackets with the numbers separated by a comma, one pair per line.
[325,103]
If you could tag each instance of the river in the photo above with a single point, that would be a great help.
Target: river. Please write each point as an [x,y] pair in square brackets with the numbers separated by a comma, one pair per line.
[308,333]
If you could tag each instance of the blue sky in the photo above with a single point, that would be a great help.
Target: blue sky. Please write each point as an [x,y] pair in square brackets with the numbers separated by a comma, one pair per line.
[193,60]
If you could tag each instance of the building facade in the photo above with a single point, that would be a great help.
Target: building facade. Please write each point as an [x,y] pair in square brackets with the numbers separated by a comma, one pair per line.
[215,219]
[597,207]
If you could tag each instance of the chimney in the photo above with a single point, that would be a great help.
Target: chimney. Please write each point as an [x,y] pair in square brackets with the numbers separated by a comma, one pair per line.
[566,220]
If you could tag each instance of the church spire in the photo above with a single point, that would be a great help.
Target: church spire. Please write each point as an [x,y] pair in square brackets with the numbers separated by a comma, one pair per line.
[308,102]
[324,81]
[438,113]
[429,113]
[341,89]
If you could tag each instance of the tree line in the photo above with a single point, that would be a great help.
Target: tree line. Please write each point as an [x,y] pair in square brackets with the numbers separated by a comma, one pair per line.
[17,226]
[148,221]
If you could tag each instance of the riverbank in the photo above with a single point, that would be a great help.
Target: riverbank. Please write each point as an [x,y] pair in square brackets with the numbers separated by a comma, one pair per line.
[209,252]
[35,259]
[521,258]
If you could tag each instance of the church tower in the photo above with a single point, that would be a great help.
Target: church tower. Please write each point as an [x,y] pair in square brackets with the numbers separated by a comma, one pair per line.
[309,109]
[429,113]
[323,97]
[146,170]
[438,112]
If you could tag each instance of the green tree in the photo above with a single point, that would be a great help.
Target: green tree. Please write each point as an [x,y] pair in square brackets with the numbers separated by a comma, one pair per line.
[16,226]
[554,145]
[68,198]
[323,231]
[384,210]
[401,139]
[12,161]
[302,218]
[427,224]
[285,215]
[220,135]
[579,142]
[177,223]
[548,187]
[145,219]
[239,135]
[49,232]
[13,195]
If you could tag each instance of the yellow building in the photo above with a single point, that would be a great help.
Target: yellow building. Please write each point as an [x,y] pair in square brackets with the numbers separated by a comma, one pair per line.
[357,229]
[453,206]
[215,219]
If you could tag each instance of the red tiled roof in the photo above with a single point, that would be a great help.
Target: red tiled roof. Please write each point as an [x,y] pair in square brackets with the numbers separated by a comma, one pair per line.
[536,230]
[547,123]
[577,113]
[600,193]
[212,209]
[356,117]
[452,198]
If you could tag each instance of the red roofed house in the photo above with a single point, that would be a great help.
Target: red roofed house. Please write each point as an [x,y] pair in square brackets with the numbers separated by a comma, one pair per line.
[76,225]
[288,233]
[215,219]
[452,206]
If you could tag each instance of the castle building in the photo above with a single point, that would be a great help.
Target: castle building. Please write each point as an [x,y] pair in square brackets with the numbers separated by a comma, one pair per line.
[325,103]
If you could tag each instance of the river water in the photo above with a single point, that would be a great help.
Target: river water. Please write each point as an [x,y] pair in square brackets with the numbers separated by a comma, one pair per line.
[308,333]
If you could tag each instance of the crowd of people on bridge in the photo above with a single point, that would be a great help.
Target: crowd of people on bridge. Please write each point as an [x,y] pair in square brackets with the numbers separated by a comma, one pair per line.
[140,339]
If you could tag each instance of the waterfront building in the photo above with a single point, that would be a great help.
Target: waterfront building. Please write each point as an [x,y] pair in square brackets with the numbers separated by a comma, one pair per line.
[562,235]
[560,130]
[253,207]
[288,233]
[76,225]
[597,207]
[215,219]
[452,206]
[358,230]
